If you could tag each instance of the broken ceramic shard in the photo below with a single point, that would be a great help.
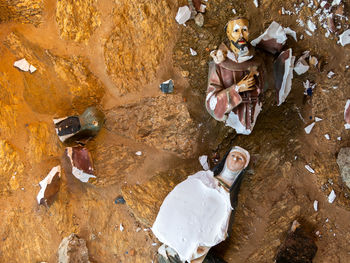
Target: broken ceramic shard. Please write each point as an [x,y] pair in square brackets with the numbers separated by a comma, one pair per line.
[309,128]
[308,167]
[183,15]
[199,19]
[283,72]
[347,115]
[256,3]
[330,74]
[81,127]
[272,40]
[81,162]
[193,52]
[301,66]
[167,86]
[344,38]
[331,197]
[291,32]
[317,119]
[23,65]
[73,249]
[203,160]
[50,185]
[327,136]
[315,205]
[311,26]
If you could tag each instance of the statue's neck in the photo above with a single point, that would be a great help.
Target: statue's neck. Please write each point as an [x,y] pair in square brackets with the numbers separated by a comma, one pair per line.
[238,52]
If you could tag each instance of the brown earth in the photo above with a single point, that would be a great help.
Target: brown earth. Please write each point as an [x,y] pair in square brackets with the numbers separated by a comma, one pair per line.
[114,54]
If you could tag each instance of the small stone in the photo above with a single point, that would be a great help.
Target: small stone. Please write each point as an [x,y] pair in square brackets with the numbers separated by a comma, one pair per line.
[73,249]
[138,229]
[343,161]
[185,73]
[199,20]
[167,86]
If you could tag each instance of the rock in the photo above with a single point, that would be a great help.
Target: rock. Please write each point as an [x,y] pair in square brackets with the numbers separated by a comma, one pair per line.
[147,26]
[145,200]
[199,20]
[162,122]
[343,161]
[73,250]
[298,247]
[77,19]
[183,14]
[23,11]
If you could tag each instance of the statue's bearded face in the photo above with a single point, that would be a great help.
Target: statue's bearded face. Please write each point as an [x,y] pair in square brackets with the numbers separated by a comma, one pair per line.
[238,34]
[236,161]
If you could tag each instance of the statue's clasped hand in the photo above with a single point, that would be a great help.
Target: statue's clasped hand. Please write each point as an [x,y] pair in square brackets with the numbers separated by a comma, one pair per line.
[247,83]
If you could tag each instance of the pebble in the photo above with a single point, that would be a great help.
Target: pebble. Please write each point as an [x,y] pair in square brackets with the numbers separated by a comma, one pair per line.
[199,20]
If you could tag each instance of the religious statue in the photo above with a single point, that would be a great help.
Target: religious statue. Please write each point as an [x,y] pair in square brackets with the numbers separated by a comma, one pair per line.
[236,75]
[198,213]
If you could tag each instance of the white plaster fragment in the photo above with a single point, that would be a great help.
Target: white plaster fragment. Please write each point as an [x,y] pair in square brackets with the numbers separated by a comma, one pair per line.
[138,229]
[347,107]
[327,136]
[46,181]
[121,228]
[339,138]
[309,128]
[183,15]
[193,52]
[308,167]
[287,78]
[234,11]
[311,26]
[202,8]
[315,205]
[330,74]
[256,3]
[344,38]
[138,153]
[274,31]
[331,197]
[203,160]
[317,119]
[291,32]
[32,68]
[22,64]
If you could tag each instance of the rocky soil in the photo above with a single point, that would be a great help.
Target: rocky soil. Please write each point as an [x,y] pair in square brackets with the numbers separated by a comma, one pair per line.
[114,54]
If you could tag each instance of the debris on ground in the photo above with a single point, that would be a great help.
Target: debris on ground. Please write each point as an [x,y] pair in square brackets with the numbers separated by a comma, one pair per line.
[344,38]
[203,160]
[119,200]
[138,153]
[315,205]
[193,52]
[308,167]
[309,87]
[23,65]
[283,73]
[347,114]
[330,74]
[50,185]
[317,119]
[81,163]
[256,3]
[73,249]
[298,247]
[121,227]
[199,19]
[327,136]
[343,161]
[308,128]
[83,127]
[183,15]
[301,66]
[167,86]
[331,197]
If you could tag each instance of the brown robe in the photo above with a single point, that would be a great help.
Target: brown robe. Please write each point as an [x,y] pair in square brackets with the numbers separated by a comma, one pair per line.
[222,98]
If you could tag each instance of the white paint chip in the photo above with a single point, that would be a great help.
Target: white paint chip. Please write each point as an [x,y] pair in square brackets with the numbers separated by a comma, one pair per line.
[138,153]
[256,3]
[309,128]
[183,15]
[121,228]
[327,136]
[311,26]
[330,74]
[193,52]
[331,197]
[315,205]
[203,160]
[308,167]
[317,119]
[339,138]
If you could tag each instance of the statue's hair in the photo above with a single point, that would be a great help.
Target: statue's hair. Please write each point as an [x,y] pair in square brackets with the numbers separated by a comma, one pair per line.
[234,19]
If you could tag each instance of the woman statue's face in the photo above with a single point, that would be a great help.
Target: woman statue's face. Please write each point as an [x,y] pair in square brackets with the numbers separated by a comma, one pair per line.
[236,161]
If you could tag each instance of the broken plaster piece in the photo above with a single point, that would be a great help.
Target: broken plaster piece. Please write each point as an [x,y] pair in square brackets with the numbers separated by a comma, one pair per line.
[256,3]
[344,38]
[327,136]
[311,26]
[81,162]
[203,160]
[183,15]
[193,52]
[330,74]
[308,167]
[272,40]
[49,186]
[347,114]
[309,128]
[121,228]
[138,153]
[167,86]
[291,32]
[283,71]
[315,205]
[301,66]
[331,197]
[317,119]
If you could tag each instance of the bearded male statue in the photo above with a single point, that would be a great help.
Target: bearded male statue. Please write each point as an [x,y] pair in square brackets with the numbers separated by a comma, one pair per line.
[235,83]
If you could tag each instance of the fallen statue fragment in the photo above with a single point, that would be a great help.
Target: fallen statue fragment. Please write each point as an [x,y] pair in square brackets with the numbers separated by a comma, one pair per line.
[81,127]
[73,249]
[23,65]
[344,38]
[283,71]
[301,66]
[195,215]
[167,86]
[183,15]
[347,114]
[299,246]
[81,162]
[50,185]
[274,38]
